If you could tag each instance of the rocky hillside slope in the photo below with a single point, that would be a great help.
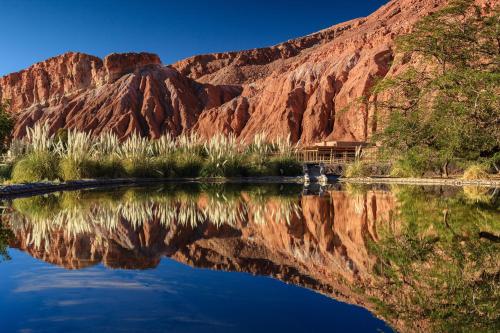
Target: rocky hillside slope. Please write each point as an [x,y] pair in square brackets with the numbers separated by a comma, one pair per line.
[308,88]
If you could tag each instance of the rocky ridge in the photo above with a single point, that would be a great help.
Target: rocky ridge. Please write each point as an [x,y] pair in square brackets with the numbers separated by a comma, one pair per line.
[308,88]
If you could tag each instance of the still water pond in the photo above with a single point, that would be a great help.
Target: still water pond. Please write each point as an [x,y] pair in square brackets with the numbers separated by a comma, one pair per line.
[268,258]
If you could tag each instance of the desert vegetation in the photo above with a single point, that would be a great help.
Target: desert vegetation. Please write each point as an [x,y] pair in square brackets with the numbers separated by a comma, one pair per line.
[447,116]
[71,155]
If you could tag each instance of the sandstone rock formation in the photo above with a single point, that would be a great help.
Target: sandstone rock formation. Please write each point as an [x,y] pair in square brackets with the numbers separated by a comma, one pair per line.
[311,88]
[308,88]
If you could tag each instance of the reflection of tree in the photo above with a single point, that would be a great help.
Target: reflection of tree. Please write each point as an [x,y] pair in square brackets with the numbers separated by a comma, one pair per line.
[5,236]
[439,269]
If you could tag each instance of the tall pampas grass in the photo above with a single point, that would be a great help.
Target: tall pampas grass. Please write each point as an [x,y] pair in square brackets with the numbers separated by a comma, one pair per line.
[135,148]
[39,140]
[79,146]
[221,148]
[106,145]
[189,144]
[83,155]
[164,146]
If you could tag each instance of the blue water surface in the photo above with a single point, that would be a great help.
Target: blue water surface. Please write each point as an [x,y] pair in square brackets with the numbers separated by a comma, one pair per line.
[40,297]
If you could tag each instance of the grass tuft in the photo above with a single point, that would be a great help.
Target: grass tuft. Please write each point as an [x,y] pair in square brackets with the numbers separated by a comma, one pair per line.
[476,171]
[357,170]
[36,167]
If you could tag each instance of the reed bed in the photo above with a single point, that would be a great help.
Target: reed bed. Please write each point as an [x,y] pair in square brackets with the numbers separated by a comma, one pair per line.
[78,155]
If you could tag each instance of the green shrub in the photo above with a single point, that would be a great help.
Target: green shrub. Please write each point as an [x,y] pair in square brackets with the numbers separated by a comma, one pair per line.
[257,169]
[71,169]
[212,169]
[163,166]
[402,170]
[110,167]
[140,168]
[187,165]
[357,169]
[415,163]
[494,162]
[5,171]
[36,167]
[230,168]
[284,166]
[256,165]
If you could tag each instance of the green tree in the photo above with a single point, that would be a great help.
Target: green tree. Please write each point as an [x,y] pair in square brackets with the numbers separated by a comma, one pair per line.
[6,125]
[451,110]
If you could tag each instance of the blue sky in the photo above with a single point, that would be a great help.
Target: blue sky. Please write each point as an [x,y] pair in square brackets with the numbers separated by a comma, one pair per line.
[33,30]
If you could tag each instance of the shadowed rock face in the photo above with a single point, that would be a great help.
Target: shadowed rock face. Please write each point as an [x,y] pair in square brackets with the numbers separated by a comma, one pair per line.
[307,88]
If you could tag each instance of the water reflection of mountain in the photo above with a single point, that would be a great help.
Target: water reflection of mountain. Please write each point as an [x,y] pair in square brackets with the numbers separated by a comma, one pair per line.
[379,249]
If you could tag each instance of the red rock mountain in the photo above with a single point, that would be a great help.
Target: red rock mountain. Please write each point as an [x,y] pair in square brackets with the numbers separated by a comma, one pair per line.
[307,88]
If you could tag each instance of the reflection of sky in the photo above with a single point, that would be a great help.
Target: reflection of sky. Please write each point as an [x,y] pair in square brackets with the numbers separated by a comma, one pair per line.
[38,297]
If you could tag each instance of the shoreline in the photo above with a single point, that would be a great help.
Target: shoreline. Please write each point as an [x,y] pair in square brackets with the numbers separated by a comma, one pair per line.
[39,188]
[423,181]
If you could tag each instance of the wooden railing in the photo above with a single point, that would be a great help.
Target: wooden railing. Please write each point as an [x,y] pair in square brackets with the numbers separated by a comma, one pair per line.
[331,157]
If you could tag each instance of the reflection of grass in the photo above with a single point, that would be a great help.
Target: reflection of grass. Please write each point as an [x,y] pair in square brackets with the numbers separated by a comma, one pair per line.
[41,206]
[281,207]
[437,261]
[222,210]
[83,212]
[443,269]
[476,194]
[355,188]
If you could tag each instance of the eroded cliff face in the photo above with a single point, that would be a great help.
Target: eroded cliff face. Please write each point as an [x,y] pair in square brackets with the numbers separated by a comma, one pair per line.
[125,93]
[308,88]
